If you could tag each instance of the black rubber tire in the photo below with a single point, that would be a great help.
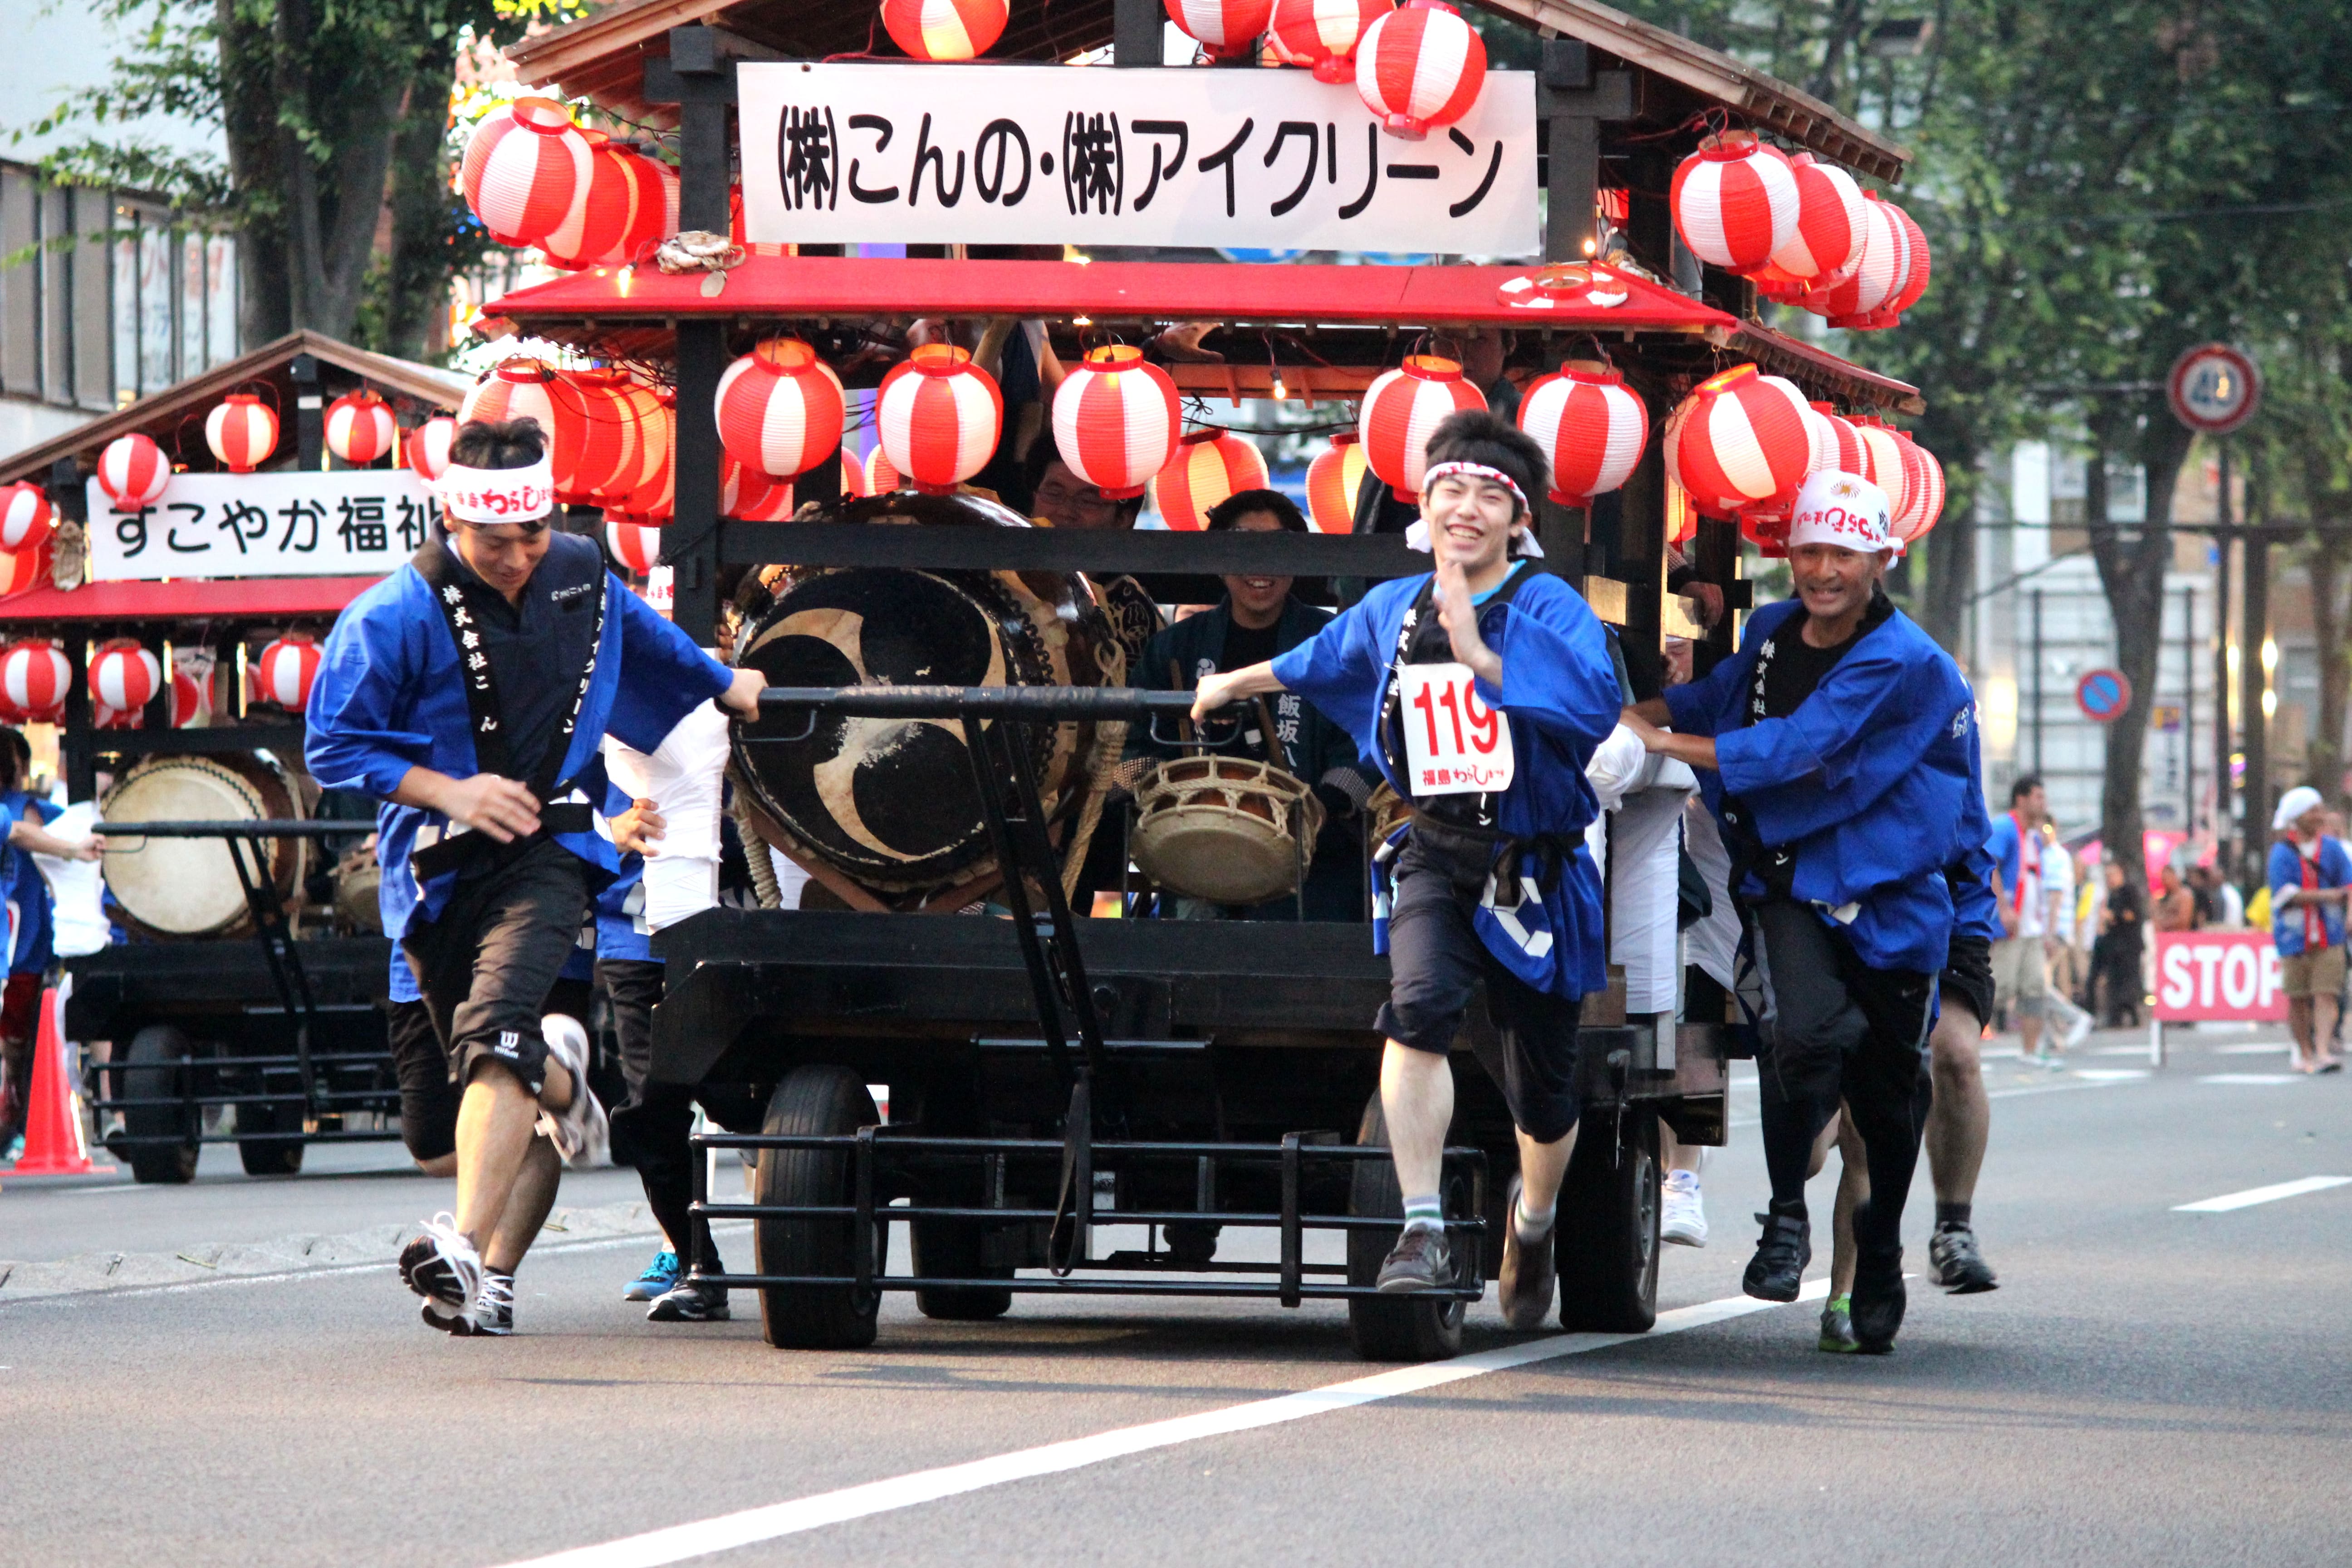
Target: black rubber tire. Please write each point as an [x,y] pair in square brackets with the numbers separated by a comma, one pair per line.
[822,1101]
[1386,1330]
[156,1069]
[1608,1248]
[954,1250]
[261,1155]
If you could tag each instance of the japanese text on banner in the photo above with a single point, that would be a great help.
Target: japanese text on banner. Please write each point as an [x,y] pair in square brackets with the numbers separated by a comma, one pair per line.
[1030,154]
[345,525]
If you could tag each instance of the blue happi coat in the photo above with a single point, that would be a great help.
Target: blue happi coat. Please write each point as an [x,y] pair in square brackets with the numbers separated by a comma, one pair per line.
[1867,781]
[1560,695]
[1975,910]
[390,696]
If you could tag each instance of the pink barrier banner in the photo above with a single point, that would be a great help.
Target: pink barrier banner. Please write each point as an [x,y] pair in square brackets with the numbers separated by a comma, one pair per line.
[2216,976]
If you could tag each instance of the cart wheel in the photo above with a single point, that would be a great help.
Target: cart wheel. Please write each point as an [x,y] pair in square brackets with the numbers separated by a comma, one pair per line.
[1608,1228]
[267,1156]
[814,1101]
[158,1071]
[949,1249]
[1390,1329]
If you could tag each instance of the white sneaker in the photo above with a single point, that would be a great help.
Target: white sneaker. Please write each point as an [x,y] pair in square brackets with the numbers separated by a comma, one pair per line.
[1683,1217]
[442,1266]
[581,1134]
[2077,1032]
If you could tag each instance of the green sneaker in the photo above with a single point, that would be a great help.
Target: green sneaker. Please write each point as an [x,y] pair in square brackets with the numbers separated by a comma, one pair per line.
[1837,1327]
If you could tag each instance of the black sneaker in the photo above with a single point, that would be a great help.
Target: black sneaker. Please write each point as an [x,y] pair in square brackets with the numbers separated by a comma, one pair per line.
[1878,1302]
[1419,1261]
[1778,1270]
[1959,1267]
[690,1301]
[1527,1280]
[1837,1327]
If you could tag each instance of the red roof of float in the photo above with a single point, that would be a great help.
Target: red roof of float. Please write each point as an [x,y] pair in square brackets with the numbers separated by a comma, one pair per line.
[188,599]
[1148,290]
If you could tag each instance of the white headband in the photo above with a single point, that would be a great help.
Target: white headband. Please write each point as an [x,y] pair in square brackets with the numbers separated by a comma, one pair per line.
[1476,470]
[497,495]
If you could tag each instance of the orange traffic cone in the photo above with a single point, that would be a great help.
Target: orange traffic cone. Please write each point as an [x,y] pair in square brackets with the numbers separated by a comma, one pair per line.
[53,1139]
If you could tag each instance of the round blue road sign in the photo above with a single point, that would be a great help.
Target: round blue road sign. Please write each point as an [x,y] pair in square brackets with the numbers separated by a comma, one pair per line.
[2102,695]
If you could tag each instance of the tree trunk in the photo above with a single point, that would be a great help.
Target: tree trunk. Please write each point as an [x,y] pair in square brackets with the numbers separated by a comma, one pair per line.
[2324,759]
[415,282]
[265,304]
[1944,603]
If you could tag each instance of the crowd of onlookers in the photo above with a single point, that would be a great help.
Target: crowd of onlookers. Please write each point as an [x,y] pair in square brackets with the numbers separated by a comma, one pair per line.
[2077,951]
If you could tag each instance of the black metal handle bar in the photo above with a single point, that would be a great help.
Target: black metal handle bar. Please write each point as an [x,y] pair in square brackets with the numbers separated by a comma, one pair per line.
[1034,702]
[262,827]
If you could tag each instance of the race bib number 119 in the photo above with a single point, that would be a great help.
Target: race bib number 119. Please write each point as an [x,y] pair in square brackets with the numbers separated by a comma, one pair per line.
[1454,743]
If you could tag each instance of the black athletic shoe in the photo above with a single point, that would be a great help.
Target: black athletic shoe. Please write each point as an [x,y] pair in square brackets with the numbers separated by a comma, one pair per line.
[690,1301]
[1878,1301]
[441,1264]
[1419,1261]
[1959,1267]
[1529,1279]
[1778,1270]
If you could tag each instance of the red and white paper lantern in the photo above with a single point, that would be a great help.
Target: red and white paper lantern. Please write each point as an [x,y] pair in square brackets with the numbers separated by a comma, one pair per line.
[242,431]
[1226,29]
[597,226]
[1831,226]
[525,168]
[1419,66]
[34,676]
[1839,446]
[655,498]
[636,545]
[124,675]
[749,495]
[1863,300]
[187,699]
[22,570]
[132,472]
[944,30]
[1742,443]
[881,475]
[1922,267]
[26,518]
[428,447]
[1923,492]
[358,428]
[283,672]
[1735,201]
[1884,466]
[1116,421]
[524,388]
[780,408]
[1208,467]
[1592,430]
[1334,479]
[1322,35]
[1400,412]
[939,416]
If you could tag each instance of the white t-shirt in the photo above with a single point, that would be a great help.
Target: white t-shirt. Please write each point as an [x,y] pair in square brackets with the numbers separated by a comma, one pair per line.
[2058,878]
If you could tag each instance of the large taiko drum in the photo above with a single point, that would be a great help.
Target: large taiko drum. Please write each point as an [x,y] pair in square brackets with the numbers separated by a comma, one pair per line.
[178,888]
[890,802]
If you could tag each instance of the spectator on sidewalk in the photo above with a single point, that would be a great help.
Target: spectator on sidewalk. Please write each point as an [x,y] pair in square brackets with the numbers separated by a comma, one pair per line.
[2310,880]
[2175,906]
[2115,961]
[2074,1025]
[2020,966]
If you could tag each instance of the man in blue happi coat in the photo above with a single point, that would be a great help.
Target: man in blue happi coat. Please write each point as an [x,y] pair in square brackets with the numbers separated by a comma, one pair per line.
[1835,751]
[471,689]
[1480,690]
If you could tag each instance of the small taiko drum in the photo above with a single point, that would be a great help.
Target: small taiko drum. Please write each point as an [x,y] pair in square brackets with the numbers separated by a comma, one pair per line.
[180,887]
[1386,812]
[1225,828]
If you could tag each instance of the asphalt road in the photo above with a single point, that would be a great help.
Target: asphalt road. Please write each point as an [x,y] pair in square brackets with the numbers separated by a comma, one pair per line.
[2148,1387]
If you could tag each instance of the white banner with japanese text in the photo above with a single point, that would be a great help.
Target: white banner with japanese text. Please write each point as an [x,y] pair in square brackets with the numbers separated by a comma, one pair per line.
[1263,159]
[352,523]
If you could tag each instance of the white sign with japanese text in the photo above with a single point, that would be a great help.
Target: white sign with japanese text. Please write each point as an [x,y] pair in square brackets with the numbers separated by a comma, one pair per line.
[358,522]
[1454,743]
[932,154]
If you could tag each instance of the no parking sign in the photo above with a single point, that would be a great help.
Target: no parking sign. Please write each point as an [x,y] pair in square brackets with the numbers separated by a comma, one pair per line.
[2103,695]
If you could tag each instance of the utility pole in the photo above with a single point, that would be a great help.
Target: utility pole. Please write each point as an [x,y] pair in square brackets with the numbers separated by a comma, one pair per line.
[2224,825]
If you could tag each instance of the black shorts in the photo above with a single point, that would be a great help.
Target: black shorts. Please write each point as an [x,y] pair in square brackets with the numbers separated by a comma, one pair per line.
[1968,975]
[1829,1008]
[1435,962]
[488,963]
[428,1100]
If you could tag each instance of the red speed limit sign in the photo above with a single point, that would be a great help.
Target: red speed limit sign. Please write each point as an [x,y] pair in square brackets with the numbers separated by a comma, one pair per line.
[2214,388]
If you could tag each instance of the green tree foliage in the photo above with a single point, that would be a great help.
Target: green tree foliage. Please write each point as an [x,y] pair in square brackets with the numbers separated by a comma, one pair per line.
[335,114]
[2101,187]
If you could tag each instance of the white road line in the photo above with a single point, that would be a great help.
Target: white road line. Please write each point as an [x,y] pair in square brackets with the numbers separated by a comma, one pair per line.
[2254,1195]
[679,1543]
[2266,1049]
[2254,1077]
